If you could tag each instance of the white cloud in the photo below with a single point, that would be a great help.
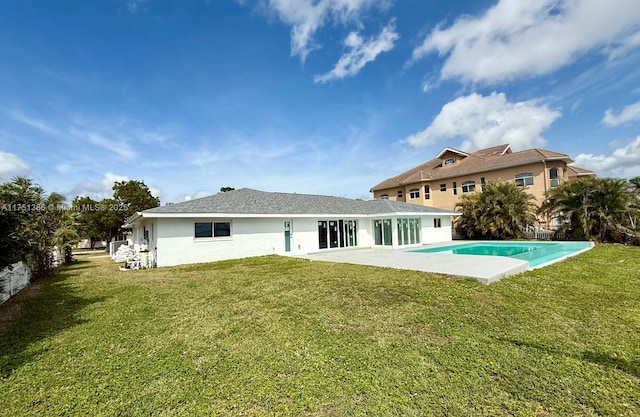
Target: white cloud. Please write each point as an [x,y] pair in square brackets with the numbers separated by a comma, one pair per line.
[133,5]
[104,137]
[426,86]
[11,165]
[622,162]
[483,121]
[32,122]
[518,38]
[360,53]
[64,168]
[630,112]
[199,194]
[307,16]
[623,47]
[98,189]
[117,146]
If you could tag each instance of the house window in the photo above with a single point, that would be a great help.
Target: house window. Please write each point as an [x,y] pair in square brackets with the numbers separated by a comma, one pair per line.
[553,175]
[449,161]
[222,229]
[468,186]
[524,179]
[204,230]
[482,183]
[414,193]
[455,188]
[408,231]
[399,193]
[443,187]
[215,229]
[437,222]
[427,192]
[384,197]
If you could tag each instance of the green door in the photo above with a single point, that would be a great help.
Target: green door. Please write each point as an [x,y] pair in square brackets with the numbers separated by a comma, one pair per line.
[287,236]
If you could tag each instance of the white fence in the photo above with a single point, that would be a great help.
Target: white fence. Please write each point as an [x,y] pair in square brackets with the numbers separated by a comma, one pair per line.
[542,235]
[13,280]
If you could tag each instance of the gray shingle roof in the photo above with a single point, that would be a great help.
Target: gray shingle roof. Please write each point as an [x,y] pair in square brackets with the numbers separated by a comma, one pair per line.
[248,201]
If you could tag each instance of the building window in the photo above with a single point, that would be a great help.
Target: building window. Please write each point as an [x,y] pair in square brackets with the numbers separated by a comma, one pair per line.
[414,193]
[443,187]
[455,188]
[408,231]
[437,222]
[204,230]
[468,186]
[553,175]
[449,161]
[399,193]
[215,229]
[384,197]
[383,232]
[524,179]
[222,229]
[427,192]
[482,183]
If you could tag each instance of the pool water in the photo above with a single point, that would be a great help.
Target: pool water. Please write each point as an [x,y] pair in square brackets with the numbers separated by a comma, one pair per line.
[536,253]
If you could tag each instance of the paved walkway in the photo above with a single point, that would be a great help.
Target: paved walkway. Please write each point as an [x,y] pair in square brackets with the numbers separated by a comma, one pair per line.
[486,269]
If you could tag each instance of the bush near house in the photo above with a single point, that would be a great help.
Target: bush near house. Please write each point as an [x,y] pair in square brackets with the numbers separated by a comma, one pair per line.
[501,210]
[600,209]
[31,225]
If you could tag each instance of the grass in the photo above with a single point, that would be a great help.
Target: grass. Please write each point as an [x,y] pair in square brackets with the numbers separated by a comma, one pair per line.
[283,336]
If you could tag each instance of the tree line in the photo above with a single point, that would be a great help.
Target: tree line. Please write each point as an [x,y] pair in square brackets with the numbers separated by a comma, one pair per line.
[33,222]
[598,209]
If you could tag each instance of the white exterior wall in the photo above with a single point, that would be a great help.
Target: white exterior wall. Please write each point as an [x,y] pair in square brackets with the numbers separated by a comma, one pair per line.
[174,240]
[432,234]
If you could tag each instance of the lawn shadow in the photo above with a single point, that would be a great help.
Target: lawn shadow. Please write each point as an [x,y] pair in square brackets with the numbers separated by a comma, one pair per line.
[39,312]
[599,358]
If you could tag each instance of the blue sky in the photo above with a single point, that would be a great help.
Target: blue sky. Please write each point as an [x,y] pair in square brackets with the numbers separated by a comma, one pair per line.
[308,96]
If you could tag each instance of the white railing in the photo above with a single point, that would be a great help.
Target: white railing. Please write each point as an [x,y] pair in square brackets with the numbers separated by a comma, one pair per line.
[114,245]
[542,235]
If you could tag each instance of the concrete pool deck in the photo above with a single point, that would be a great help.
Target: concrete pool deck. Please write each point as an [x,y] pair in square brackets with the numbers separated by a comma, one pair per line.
[486,269]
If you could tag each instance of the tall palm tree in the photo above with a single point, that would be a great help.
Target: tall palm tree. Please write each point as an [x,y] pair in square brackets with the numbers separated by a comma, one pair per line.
[500,211]
[601,209]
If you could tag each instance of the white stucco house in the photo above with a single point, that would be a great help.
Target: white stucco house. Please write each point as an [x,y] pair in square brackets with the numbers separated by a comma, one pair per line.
[246,222]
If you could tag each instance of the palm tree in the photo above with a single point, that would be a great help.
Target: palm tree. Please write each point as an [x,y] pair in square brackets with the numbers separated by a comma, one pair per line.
[602,209]
[500,211]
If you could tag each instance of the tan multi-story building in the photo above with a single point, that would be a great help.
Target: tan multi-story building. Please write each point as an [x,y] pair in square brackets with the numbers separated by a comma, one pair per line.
[440,182]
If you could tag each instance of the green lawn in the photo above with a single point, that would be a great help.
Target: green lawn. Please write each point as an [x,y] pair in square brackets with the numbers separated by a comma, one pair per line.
[281,336]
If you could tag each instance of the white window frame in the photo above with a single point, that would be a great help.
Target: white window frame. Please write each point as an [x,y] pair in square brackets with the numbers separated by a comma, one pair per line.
[214,235]
[524,179]
[468,186]
[414,193]
[554,180]
[449,161]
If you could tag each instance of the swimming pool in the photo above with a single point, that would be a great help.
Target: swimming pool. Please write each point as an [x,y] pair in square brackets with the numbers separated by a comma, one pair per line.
[536,253]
